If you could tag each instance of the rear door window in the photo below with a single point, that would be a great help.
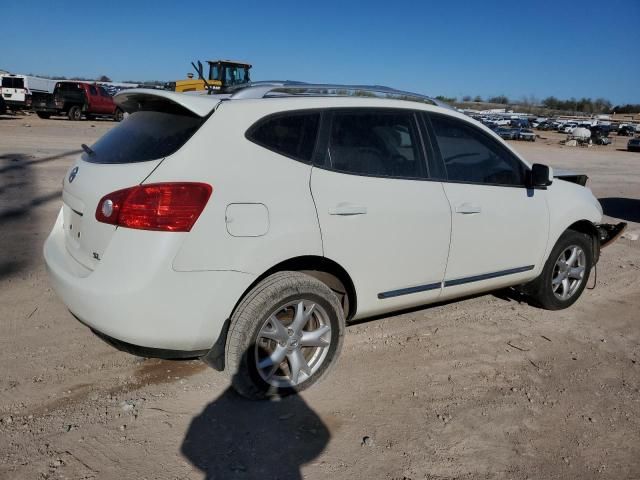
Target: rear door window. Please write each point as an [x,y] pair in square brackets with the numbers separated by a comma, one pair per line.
[377,142]
[145,135]
[292,134]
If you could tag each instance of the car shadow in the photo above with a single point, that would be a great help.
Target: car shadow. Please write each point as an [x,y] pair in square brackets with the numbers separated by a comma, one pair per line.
[623,208]
[512,295]
[20,198]
[236,438]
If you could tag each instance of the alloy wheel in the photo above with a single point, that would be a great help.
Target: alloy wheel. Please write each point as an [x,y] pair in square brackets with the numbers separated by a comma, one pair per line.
[293,343]
[568,272]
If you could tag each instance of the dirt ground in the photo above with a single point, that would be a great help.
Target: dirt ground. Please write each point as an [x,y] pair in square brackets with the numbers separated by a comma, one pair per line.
[486,387]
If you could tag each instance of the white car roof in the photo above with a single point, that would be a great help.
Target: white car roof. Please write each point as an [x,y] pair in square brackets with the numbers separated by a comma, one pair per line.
[202,104]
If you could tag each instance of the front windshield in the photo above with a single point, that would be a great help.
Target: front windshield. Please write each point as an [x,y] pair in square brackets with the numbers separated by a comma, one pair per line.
[235,75]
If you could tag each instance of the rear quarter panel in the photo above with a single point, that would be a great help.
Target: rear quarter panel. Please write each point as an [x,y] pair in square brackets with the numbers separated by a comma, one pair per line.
[242,172]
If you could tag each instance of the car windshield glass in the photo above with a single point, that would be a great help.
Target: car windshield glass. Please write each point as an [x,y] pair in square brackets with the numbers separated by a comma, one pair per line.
[144,135]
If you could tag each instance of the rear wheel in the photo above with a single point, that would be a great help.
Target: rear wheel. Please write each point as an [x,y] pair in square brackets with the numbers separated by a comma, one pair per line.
[44,115]
[118,115]
[75,113]
[285,335]
[565,273]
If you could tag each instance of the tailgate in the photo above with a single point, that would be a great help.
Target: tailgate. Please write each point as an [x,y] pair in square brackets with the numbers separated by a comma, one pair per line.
[85,184]
[159,125]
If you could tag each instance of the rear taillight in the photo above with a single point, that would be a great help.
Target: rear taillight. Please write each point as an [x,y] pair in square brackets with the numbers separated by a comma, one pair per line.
[168,207]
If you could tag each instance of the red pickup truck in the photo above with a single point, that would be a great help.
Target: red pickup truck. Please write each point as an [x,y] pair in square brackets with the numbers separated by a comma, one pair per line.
[75,100]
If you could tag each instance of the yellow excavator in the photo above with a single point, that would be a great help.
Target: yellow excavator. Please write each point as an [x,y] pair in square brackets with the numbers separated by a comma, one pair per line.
[223,74]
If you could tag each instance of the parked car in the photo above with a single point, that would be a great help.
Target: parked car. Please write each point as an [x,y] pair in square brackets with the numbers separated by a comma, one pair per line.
[249,230]
[14,92]
[633,145]
[544,126]
[19,90]
[78,99]
[569,127]
[520,123]
[600,135]
[526,134]
[627,131]
[507,133]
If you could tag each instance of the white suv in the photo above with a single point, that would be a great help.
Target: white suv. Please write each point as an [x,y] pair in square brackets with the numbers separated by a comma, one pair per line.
[247,229]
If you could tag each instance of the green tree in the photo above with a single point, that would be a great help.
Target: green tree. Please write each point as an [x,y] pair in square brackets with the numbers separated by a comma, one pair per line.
[501,99]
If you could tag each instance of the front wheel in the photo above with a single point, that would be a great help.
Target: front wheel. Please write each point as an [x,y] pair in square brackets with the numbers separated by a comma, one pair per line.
[284,336]
[118,115]
[565,273]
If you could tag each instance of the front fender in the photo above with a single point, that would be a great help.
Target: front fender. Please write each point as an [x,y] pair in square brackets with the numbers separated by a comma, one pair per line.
[569,204]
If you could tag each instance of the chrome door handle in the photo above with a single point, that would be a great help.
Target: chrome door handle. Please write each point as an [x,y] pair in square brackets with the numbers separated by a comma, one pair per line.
[467,208]
[348,209]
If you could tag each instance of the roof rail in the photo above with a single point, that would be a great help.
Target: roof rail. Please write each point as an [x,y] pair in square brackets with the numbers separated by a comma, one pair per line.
[288,88]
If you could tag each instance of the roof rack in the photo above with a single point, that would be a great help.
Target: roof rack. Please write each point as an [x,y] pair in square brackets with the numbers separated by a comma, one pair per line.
[270,89]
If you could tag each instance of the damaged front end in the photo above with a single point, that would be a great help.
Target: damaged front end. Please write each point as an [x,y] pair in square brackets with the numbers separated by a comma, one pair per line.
[609,232]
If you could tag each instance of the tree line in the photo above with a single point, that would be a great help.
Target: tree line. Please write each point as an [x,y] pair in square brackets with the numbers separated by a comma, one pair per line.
[581,105]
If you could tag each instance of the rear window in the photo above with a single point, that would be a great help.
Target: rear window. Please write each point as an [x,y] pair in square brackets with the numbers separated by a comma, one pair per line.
[12,82]
[68,87]
[143,136]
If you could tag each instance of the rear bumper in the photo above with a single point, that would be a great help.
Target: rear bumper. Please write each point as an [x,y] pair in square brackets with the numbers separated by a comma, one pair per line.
[135,297]
[16,104]
[150,352]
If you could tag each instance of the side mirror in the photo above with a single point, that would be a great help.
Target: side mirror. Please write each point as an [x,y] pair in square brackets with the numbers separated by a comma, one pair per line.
[540,176]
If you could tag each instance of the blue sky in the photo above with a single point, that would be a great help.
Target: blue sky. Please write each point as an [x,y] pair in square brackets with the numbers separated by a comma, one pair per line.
[453,47]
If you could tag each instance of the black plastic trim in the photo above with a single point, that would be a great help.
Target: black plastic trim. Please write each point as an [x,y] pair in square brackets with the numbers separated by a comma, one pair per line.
[149,352]
[407,291]
[486,276]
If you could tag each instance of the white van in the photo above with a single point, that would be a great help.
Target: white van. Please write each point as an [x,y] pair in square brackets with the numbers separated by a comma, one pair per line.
[17,90]
[14,92]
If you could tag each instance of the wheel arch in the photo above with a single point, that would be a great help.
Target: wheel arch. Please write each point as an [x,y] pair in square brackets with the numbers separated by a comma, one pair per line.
[324,269]
[588,228]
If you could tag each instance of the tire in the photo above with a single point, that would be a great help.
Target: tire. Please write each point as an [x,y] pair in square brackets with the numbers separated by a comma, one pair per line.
[254,339]
[118,115]
[44,115]
[75,113]
[547,291]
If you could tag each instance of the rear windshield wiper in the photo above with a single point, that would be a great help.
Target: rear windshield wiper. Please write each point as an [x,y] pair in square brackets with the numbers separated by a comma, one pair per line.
[87,149]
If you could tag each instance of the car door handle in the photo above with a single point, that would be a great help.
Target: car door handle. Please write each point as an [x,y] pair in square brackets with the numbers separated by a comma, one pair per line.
[467,208]
[348,209]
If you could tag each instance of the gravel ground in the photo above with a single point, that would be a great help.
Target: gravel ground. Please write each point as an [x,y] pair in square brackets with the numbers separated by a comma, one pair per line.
[487,387]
